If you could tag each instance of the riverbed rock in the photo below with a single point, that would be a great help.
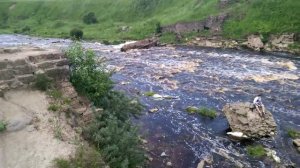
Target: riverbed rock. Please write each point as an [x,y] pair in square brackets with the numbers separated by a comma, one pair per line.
[272,154]
[254,42]
[143,44]
[296,142]
[244,118]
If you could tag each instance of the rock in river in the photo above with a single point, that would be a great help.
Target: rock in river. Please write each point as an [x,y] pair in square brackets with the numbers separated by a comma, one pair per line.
[143,44]
[244,118]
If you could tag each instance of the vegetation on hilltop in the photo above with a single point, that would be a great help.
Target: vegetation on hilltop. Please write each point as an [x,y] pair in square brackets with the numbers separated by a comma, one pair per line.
[56,18]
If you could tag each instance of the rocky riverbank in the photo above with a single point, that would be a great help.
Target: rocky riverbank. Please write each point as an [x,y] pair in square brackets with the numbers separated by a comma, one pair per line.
[288,42]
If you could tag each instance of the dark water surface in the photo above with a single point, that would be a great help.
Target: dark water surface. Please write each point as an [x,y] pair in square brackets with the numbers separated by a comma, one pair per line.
[200,77]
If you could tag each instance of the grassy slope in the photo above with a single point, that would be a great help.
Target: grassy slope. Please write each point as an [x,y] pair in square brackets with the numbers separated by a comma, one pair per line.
[57,17]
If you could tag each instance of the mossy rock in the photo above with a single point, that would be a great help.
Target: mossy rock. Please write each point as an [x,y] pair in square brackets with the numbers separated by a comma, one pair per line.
[192,109]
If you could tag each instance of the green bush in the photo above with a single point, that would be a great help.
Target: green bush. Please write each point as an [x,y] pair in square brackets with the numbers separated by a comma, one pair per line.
[111,130]
[90,18]
[76,34]
[256,151]
[117,140]
[158,28]
[88,74]
[2,126]
[42,82]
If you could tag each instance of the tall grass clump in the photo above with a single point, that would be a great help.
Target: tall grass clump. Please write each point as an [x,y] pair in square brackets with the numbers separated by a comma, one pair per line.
[43,82]
[111,131]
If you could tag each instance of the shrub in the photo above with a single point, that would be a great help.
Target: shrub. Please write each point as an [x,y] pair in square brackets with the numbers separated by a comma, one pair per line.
[293,133]
[256,151]
[117,140]
[2,126]
[76,34]
[85,157]
[111,130]
[90,18]
[158,28]
[42,82]
[88,74]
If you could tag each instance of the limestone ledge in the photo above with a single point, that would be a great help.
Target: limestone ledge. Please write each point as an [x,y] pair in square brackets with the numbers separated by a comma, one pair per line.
[20,65]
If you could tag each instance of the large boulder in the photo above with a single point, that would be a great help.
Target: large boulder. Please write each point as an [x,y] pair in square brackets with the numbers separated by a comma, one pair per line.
[143,44]
[244,118]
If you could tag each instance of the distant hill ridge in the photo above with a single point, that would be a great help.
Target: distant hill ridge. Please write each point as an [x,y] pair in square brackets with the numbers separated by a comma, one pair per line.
[137,19]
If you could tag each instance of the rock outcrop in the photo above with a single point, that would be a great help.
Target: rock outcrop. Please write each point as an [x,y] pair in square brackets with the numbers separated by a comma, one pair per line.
[254,42]
[212,23]
[143,44]
[244,118]
[283,42]
[214,42]
[296,142]
[19,66]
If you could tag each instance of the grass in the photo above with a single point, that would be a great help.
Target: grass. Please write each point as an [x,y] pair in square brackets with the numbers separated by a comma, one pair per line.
[203,111]
[56,18]
[256,151]
[42,82]
[206,112]
[293,133]
[55,94]
[54,107]
[149,93]
[2,126]
[57,130]
[85,157]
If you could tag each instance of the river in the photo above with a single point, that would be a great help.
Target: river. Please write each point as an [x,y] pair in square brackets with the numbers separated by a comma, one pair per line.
[199,77]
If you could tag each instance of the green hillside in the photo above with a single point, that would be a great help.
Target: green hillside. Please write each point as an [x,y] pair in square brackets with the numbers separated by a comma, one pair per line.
[56,18]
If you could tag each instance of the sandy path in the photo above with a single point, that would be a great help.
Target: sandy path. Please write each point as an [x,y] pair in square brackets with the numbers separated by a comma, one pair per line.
[29,140]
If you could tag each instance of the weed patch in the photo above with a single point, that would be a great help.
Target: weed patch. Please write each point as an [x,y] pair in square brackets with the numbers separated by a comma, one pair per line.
[2,126]
[256,151]
[203,111]
[293,133]
[85,157]
[42,82]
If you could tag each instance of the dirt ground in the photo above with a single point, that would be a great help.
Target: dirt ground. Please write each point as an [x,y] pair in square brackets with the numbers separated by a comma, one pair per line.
[33,135]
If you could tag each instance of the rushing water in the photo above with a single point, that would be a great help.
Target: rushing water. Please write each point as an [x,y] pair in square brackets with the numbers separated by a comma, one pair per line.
[200,77]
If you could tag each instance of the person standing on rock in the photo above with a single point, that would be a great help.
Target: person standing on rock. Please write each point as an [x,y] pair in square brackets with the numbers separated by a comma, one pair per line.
[259,106]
